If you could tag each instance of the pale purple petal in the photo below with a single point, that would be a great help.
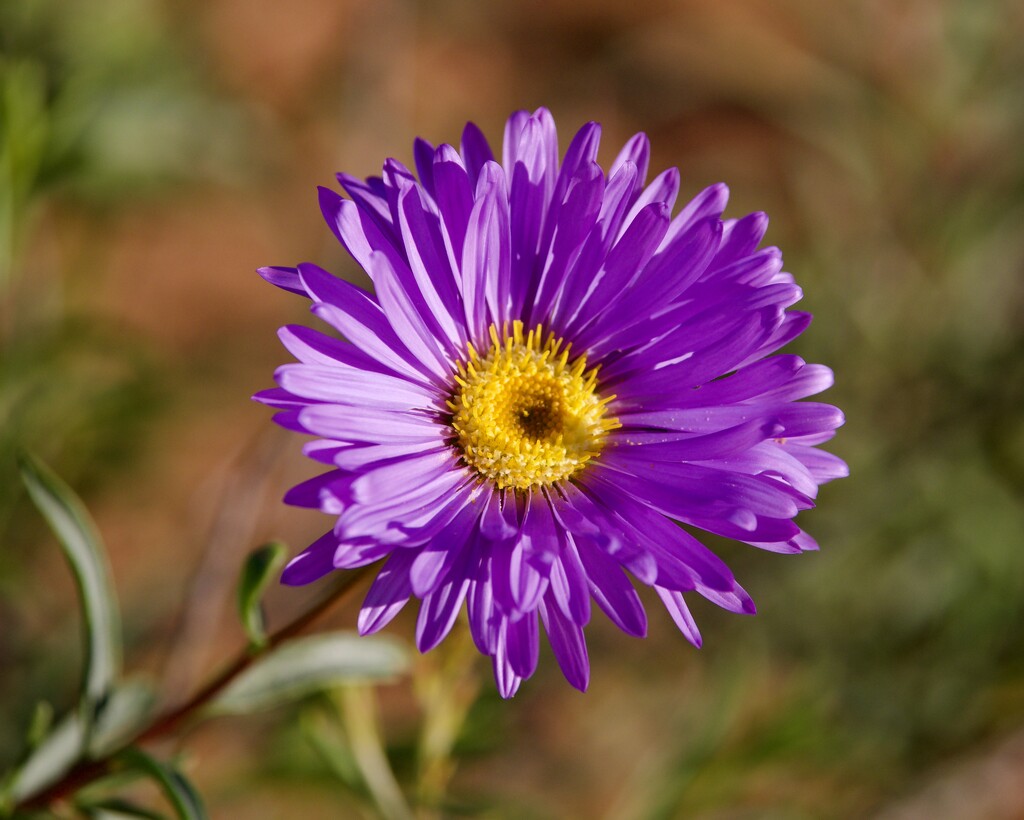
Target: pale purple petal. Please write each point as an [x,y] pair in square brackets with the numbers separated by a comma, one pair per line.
[680,613]
[284,278]
[441,606]
[389,592]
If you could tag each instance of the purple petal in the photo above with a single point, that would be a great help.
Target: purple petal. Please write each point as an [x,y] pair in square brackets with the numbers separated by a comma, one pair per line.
[580,162]
[613,592]
[693,361]
[431,266]
[736,601]
[568,645]
[568,584]
[539,531]
[284,278]
[516,583]
[636,151]
[592,525]
[821,465]
[680,613]
[667,275]
[309,492]
[402,516]
[718,445]
[349,385]
[483,617]
[403,475]
[351,555]
[313,347]
[505,677]
[757,529]
[532,181]
[522,641]
[578,280]
[687,490]
[423,155]
[682,561]
[625,262]
[359,457]
[355,228]
[810,380]
[312,563]
[514,126]
[369,424]
[487,254]
[756,270]
[387,595]
[797,419]
[441,607]
[454,195]
[437,558]
[709,203]
[793,324]
[663,189]
[475,150]
[276,397]
[357,315]
[498,518]
[371,198]
[741,238]
[753,381]
[406,309]
[576,219]
[324,450]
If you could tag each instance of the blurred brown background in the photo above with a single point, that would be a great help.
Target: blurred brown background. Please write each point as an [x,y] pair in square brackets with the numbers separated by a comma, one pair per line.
[155,152]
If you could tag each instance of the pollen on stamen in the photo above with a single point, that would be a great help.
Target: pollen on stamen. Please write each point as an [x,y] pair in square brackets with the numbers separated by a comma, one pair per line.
[523,414]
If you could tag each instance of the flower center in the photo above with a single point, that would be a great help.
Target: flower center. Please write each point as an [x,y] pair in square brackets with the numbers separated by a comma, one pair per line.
[526,416]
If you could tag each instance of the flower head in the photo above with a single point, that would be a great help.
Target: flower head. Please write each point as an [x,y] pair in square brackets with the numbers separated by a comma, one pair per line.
[555,382]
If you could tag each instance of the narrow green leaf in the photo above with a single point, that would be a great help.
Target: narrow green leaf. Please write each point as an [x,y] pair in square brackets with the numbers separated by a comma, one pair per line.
[51,758]
[306,665]
[120,715]
[181,794]
[259,567]
[70,522]
[96,730]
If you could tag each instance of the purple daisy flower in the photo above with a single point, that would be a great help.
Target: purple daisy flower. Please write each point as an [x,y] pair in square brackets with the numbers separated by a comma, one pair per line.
[552,375]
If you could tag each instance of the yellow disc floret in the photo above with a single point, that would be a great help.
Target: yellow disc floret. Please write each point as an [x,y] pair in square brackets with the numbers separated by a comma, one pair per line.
[524,414]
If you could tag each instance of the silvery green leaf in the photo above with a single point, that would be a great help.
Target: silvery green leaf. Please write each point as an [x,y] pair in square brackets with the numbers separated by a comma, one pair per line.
[181,794]
[54,750]
[70,522]
[57,753]
[120,715]
[259,567]
[307,665]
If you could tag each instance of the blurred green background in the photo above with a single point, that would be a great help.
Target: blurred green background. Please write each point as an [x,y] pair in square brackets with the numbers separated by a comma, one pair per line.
[153,153]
